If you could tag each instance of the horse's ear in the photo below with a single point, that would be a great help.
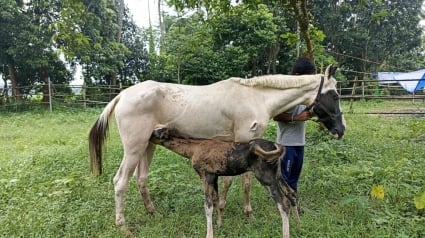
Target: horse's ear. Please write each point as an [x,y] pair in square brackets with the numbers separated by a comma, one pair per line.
[334,68]
[330,71]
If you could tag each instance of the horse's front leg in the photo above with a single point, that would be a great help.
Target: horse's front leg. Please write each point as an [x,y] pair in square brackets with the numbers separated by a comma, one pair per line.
[246,185]
[141,176]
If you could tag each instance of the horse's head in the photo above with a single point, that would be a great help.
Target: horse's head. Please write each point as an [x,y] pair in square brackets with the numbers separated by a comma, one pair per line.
[327,107]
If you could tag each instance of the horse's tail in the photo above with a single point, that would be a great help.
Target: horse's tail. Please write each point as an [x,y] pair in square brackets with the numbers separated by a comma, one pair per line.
[98,134]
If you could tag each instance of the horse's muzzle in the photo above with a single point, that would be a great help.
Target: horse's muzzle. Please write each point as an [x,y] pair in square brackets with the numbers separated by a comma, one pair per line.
[337,134]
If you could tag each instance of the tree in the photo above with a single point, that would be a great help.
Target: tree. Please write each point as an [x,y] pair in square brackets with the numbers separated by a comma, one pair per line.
[11,19]
[88,35]
[249,28]
[136,63]
[299,9]
[29,47]
[375,31]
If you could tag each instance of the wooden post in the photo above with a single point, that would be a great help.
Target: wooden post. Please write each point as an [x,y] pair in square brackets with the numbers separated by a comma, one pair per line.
[50,93]
[353,93]
[83,92]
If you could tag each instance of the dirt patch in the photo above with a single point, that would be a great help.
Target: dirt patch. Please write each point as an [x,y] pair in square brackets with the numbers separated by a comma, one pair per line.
[397,112]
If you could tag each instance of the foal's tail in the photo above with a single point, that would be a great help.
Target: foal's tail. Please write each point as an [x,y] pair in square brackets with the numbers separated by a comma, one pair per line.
[98,134]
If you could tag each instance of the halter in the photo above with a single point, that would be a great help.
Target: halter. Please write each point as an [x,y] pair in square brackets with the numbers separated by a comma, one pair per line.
[316,103]
[319,94]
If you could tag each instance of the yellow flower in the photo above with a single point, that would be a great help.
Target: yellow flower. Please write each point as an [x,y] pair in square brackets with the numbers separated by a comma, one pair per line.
[377,191]
[419,201]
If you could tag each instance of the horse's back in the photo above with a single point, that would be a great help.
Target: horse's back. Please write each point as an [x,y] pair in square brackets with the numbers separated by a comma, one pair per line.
[225,110]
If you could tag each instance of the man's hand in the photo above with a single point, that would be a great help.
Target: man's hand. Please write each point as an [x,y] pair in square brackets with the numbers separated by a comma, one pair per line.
[303,116]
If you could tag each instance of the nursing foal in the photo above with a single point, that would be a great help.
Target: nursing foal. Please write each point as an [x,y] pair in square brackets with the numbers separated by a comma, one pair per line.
[213,158]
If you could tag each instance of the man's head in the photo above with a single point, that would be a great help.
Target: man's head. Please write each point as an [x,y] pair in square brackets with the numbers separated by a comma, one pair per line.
[303,65]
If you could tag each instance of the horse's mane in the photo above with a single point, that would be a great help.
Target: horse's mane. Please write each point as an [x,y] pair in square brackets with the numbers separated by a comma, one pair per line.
[279,81]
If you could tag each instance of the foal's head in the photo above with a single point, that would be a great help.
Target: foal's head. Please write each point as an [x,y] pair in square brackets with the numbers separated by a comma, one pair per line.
[268,170]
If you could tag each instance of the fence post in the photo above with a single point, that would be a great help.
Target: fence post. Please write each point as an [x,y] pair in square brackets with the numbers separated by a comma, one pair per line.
[50,93]
[353,93]
[83,91]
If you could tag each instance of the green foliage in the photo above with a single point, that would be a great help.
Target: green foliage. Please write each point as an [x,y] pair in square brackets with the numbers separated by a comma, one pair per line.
[253,29]
[46,189]
[386,32]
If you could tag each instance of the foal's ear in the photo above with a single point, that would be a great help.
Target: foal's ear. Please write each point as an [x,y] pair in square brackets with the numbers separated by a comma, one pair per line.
[162,133]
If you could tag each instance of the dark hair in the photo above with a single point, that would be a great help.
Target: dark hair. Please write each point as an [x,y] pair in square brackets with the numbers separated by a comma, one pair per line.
[303,65]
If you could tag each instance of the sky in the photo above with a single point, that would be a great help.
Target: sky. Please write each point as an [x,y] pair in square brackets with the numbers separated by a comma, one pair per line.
[140,11]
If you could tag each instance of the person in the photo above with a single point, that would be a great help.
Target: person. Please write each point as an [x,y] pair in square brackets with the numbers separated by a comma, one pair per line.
[291,130]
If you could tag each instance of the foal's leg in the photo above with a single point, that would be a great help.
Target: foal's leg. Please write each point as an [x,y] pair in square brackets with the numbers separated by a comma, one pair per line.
[227,182]
[246,185]
[216,201]
[283,205]
[283,210]
[210,186]
[141,176]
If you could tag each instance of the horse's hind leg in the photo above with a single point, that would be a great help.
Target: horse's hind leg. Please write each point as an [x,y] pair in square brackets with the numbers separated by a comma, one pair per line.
[121,179]
[141,176]
[135,140]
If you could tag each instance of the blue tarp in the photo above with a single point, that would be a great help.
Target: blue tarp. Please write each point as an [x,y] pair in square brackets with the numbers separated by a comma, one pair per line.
[411,81]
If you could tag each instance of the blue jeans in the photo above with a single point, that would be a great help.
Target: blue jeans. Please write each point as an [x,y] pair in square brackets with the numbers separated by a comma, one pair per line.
[292,164]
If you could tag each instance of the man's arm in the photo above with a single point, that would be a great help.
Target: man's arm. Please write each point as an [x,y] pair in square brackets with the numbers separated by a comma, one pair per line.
[287,117]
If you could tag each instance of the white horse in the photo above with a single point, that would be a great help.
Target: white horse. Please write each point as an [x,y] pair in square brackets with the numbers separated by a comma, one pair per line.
[235,109]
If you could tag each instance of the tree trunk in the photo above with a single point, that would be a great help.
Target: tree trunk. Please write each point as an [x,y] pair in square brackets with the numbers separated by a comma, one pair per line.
[120,19]
[273,52]
[301,14]
[178,73]
[254,71]
[13,79]
[45,78]
[4,92]
[118,39]
[161,27]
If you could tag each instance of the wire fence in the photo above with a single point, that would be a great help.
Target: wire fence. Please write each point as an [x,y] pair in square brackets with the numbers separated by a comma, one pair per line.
[82,96]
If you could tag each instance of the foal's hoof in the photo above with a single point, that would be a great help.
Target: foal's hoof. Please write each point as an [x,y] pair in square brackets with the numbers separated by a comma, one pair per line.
[151,210]
[126,231]
[222,204]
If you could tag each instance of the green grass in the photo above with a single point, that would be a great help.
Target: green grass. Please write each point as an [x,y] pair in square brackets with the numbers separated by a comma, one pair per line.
[46,189]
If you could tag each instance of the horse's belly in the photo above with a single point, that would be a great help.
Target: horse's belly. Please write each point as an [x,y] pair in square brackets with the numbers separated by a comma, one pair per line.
[221,130]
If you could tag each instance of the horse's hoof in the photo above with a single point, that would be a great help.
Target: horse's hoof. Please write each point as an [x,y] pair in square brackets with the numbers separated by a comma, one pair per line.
[120,221]
[249,214]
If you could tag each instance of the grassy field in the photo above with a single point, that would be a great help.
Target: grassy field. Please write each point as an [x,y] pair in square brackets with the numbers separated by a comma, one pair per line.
[370,184]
